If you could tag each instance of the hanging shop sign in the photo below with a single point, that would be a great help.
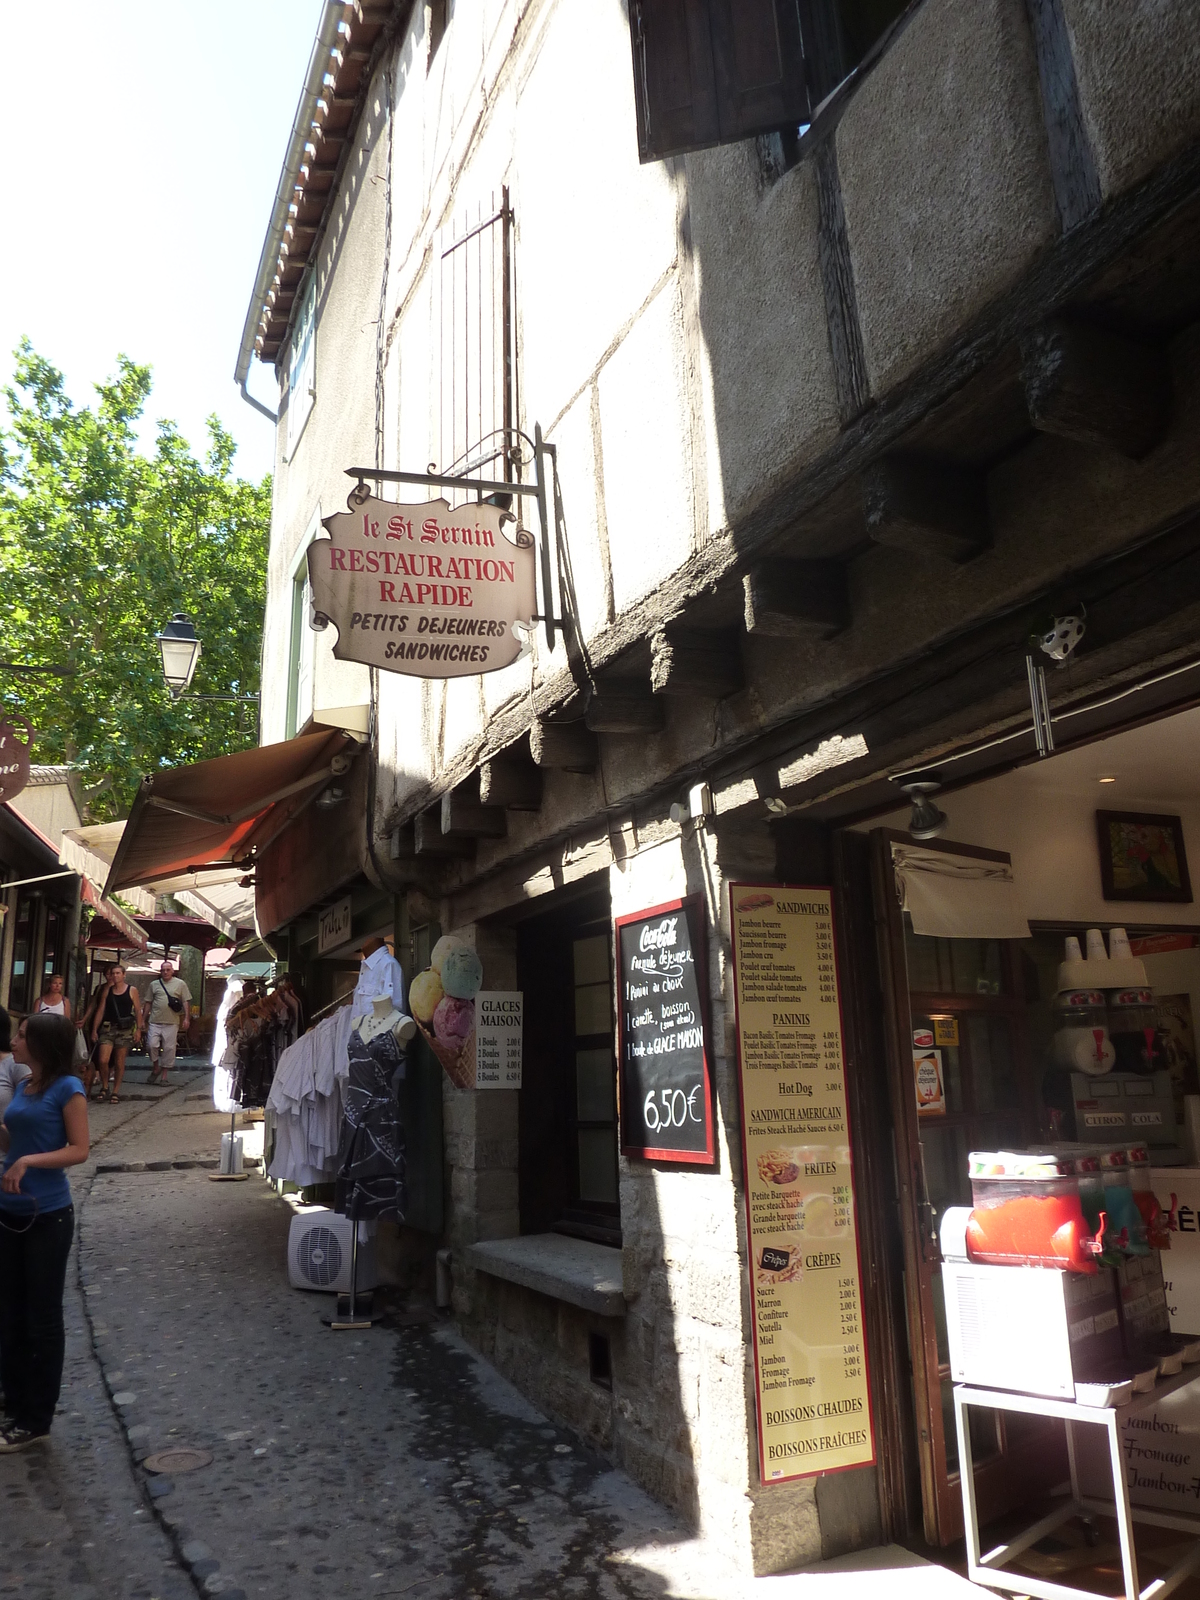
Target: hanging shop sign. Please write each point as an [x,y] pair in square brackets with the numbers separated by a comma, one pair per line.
[424,590]
[814,1411]
[333,928]
[665,1084]
[14,756]
[476,1034]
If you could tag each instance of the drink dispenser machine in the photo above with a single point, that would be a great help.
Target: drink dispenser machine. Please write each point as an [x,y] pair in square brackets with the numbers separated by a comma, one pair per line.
[1043,1294]
[1106,1080]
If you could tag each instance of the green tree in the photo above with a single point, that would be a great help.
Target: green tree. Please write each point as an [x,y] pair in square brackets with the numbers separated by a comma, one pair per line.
[99,544]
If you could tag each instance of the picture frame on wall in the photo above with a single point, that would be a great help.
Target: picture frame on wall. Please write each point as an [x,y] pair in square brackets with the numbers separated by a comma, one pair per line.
[1142,857]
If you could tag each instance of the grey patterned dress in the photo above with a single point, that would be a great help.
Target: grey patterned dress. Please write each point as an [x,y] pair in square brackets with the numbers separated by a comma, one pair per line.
[370,1175]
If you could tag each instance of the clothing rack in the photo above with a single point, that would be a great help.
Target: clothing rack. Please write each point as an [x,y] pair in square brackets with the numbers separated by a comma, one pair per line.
[231,1176]
[330,1007]
[353,1319]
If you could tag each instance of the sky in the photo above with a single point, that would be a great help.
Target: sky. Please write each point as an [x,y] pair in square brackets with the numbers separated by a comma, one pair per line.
[149,137]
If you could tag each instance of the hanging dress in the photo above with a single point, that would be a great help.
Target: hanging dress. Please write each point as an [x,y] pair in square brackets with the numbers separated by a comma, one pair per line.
[370,1175]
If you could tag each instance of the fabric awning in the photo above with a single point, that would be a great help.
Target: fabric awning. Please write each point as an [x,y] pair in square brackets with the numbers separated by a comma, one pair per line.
[90,852]
[214,814]
[104,935]
[218,897]
[33,852]
[110,919]
[125,933]
[170,929]
[953,896]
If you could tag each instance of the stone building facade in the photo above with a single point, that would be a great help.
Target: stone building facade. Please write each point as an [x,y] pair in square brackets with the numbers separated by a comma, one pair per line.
[840,403]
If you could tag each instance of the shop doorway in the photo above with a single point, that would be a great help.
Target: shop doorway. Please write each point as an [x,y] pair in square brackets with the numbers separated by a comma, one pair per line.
[959,1007]
[979,1010]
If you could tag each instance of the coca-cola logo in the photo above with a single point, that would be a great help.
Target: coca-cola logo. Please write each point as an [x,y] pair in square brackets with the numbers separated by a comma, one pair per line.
[14,756]
[660,938]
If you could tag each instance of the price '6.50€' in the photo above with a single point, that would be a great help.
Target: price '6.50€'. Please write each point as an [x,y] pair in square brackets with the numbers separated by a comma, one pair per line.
[671,1108]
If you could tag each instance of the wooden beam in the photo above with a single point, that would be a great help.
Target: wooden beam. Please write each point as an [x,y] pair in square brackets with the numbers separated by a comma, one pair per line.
[796,599]
[565,745]
[624,707]
[512,782]
[402,844]
[429,840]
[1073,172]
[695,663]
[402,855]
[369,15]
[1096,387]
[929,508]
[464,816]
[852,384]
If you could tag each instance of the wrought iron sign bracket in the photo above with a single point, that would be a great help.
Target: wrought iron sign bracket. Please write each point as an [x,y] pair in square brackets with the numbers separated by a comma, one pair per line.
[545,457]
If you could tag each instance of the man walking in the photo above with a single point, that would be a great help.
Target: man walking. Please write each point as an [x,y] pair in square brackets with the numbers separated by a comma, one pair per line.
[167,1010]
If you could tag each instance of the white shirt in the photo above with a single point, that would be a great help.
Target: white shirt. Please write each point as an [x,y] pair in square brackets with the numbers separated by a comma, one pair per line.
[11,1074]
[379,974]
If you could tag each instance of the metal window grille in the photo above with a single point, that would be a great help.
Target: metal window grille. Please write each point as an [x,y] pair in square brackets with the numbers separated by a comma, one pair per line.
[478,407]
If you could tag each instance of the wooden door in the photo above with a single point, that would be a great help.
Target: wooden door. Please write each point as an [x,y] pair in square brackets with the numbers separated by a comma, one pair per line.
[970,994]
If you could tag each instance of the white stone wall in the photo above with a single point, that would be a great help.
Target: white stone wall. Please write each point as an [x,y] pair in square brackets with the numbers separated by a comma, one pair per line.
[664,428]
[671,318]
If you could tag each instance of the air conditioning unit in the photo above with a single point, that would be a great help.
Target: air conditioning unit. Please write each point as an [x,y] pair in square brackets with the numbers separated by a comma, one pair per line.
[319,1246]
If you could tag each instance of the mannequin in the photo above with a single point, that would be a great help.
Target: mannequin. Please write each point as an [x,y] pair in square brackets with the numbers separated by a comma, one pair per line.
[370,1175]
[382,1018]
[380,974]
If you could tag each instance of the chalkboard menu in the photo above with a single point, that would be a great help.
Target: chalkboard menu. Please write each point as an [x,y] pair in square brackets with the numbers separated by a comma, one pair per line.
[666,1091]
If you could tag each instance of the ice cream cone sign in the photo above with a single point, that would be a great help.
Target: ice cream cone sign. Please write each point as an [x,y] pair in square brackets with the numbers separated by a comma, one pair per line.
[442,1001]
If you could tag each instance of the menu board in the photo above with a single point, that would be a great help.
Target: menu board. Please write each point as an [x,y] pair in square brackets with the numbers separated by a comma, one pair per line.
[499,1034]
[666,1091]
[814,1412]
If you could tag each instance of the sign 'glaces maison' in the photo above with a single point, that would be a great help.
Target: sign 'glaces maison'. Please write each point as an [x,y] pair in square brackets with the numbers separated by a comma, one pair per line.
[422,589]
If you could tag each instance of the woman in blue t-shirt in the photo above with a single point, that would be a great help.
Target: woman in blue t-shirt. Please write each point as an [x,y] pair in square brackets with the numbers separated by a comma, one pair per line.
[45,1130]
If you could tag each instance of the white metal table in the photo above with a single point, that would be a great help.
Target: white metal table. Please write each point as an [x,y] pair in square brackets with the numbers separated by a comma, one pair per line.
[989,1569]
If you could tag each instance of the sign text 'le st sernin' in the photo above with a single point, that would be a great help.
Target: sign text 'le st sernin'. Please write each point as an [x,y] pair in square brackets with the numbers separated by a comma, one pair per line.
[422,589]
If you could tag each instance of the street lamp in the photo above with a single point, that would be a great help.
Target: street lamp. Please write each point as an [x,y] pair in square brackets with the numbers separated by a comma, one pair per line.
[180,652]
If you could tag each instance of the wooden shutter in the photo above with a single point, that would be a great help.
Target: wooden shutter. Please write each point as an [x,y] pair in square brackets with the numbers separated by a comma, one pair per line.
[711,71]
[759,66]
[673,77]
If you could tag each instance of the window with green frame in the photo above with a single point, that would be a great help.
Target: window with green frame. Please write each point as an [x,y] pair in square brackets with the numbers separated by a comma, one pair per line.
[300,656]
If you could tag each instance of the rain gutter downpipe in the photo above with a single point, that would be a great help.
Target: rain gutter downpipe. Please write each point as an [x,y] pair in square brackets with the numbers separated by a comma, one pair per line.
[314,84]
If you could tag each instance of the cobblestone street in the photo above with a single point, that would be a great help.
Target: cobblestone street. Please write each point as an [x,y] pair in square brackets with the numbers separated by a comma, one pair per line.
[387,1463]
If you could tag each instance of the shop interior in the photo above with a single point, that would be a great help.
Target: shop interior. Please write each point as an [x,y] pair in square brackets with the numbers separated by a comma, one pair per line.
[1048,974]
[41,933]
